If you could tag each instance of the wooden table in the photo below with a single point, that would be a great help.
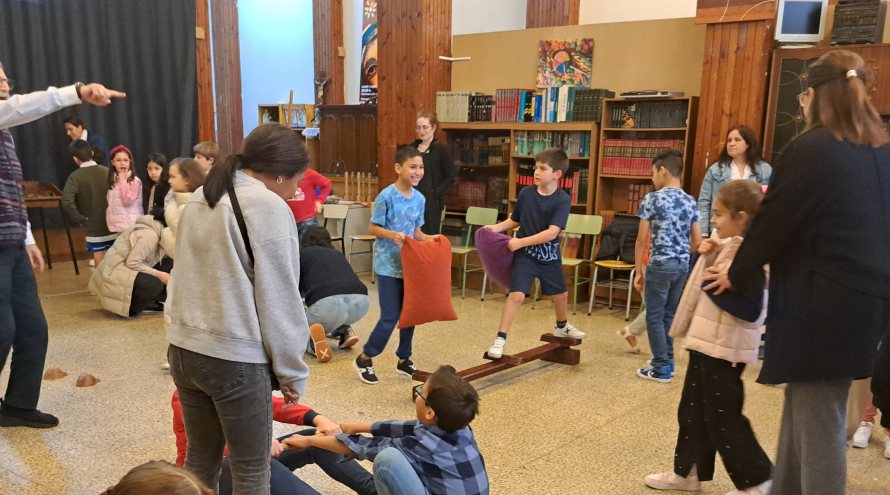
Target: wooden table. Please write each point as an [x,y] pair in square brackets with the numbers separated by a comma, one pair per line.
[41,195]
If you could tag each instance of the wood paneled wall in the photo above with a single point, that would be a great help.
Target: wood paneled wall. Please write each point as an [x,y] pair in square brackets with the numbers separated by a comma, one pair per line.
[547,13]
[412,35]
[733,88]
[327,22]
[227,72]
[206,127]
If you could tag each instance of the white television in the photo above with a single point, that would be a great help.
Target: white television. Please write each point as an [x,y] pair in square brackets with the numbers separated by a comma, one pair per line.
[801,20]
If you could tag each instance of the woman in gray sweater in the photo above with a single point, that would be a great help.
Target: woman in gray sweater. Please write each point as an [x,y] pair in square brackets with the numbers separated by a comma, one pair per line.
[232,323]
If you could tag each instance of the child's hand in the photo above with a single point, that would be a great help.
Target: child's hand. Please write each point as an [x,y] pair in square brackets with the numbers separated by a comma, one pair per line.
[326,427]
[298,442]
[430,238]
[490,227]
[707,246]
[718,275]
[398,238]
[514,244]
[290,396]
[638,282]
[277,448]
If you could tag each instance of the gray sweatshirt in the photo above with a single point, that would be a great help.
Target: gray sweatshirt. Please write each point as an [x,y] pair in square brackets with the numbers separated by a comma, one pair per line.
[221,306]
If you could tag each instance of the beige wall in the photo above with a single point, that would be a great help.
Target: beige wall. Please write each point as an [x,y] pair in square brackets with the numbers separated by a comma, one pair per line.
[662,54]
[598,11]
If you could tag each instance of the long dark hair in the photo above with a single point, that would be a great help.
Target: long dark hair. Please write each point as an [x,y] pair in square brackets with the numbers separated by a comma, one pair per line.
[840,80]
[752,154]
[160,159]
[270,149]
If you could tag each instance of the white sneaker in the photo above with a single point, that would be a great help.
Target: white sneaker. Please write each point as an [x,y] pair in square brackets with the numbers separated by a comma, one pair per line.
[887,447]
[761,489]
[92,263]
[672,481]
[569,331]
[862,435]
[497,348]
[165,366]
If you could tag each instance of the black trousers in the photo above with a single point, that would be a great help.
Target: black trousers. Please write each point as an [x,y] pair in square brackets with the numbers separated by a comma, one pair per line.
[880,381]
[432,216]
[711,421]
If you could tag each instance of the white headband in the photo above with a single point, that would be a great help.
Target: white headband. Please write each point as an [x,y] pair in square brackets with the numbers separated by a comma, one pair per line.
[852,73]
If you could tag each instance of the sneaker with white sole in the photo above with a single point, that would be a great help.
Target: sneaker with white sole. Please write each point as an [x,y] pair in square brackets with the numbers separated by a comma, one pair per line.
[887,447]
[318,343]
[496,351]
[569,331]
[165,366]
[672,481]
[406,367]
[662,375]
[862,435]
[761,489]
[365,369]
[672,367]
[348,338]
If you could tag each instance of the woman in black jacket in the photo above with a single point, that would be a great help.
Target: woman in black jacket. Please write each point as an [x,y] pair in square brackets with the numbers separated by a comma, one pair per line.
[438,173]
[824,229]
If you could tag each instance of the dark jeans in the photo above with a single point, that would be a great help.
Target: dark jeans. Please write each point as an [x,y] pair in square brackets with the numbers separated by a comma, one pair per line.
[303,226]
[285,482]
[22,329]
[664,282]
[225,403]
[880,381]
[391,291]
[711,421]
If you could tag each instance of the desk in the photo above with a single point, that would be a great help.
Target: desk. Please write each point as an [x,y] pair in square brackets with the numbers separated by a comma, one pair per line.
[41,195]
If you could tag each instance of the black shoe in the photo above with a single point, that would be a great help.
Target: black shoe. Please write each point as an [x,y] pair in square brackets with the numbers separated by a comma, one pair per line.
[365,369]
[406,367]
[154,307]
[348,338]
[11,416]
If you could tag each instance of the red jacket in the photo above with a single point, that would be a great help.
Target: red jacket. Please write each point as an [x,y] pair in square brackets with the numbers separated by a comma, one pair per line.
[297,414]
[304,209]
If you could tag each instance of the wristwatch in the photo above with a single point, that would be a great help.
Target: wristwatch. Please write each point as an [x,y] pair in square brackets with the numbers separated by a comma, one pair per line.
[77,87]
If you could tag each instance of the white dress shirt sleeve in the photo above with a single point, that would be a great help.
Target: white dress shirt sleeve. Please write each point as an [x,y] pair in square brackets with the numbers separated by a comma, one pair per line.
[29,237]
[21,109]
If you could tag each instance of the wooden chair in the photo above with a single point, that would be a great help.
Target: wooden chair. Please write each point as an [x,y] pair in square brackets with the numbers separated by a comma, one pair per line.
[581,225]
[337,213]
[476,217]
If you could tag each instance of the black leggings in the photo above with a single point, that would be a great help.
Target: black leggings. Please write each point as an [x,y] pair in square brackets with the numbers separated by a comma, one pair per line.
[880,381]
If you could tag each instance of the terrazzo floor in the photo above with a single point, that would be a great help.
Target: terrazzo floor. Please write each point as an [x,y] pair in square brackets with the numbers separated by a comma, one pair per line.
[544,428]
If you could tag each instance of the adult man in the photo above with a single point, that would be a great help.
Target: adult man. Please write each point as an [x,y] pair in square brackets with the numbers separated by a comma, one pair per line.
[22,323]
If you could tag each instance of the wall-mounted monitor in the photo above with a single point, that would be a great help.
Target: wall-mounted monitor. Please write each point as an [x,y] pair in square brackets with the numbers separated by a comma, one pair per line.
[801,20]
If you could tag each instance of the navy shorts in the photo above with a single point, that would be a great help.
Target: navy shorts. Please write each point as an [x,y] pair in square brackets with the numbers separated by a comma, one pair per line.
[525,270]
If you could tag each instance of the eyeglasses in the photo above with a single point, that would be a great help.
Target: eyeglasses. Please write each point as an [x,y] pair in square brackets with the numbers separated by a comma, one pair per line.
[8,82]
[415,393]
[423,128]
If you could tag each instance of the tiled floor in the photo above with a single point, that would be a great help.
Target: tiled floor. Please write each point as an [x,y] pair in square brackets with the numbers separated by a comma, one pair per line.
[544,428]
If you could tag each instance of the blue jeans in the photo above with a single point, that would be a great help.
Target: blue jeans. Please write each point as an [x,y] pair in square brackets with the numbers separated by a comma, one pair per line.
[23,328]
[663,287]
[285,482]
[304,225]
[392,292]
[225,403]
[333,312]
[394,475]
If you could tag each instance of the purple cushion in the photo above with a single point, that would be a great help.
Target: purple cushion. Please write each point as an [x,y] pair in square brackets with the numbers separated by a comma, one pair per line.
[496,258]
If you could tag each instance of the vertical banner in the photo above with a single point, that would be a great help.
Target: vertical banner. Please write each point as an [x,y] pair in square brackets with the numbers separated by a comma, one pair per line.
[368,84]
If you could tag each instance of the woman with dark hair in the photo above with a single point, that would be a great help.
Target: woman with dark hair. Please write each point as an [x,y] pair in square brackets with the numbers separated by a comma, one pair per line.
[232,323]
[739,159]
[824,231]
[76,129]
[438,170]
[157,185]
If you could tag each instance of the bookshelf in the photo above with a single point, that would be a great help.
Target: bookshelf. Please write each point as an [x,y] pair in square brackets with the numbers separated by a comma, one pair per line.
[623,166]
[302,116]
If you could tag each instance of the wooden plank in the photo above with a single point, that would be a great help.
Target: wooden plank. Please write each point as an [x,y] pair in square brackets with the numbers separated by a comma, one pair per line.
[206,125]
[548,13]
[327,26]
[227,73]
[727,11]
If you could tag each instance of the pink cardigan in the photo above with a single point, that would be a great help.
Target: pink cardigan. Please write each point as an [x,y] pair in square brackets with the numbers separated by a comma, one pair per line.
[124,204]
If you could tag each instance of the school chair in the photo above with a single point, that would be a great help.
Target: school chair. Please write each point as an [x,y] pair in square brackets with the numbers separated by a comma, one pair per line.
[337,213]
[372,242]
[613,282]
[476,217]
[581,225]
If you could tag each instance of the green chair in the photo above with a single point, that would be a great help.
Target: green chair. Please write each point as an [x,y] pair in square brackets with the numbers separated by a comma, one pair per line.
[582,225]
[476,217]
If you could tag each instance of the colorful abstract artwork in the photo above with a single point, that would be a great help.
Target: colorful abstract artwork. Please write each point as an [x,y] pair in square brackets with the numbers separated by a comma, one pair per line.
[565,63]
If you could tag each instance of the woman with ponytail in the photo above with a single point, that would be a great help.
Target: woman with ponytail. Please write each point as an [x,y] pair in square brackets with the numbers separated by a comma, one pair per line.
[232,323]
[824,229]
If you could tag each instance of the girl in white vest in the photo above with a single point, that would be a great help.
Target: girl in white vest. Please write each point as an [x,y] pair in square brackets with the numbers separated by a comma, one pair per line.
[722,334]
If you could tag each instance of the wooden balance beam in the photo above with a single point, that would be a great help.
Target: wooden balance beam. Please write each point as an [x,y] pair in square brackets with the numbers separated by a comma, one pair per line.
[556,350]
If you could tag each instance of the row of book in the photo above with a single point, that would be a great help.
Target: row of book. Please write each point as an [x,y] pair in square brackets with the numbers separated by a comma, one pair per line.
[480,149]
[633,157]
[552,104]
[486,192]
[454,106]
[574,143]
[649,114]
[575,183]
[635,195]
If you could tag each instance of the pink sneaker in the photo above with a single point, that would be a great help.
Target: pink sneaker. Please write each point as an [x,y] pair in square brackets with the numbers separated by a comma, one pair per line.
[672,481]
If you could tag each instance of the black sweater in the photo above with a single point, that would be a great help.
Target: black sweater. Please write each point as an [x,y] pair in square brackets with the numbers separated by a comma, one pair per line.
[325,272]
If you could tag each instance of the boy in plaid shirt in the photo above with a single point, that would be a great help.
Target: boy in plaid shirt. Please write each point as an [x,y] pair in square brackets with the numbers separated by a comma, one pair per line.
[435,454]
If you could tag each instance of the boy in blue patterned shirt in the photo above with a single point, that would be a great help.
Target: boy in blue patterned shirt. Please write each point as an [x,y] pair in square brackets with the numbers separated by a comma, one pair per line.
[671,217]
[435,454]
[398,213]
[541,212]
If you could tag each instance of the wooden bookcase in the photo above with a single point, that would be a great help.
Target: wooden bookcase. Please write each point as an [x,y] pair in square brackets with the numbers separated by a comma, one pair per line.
[276,113]
[613,187]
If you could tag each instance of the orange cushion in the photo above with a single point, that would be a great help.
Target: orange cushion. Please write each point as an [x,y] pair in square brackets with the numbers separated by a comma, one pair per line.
[426,268]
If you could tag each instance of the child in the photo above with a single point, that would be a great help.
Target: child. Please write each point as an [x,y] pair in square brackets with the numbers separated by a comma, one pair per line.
[305,204]
[867,423]
[334,295]
[541,212]
[124,191]
[672,217]
[722,335]
[206,153]
[186,175]
[398,213]
[434,454]
[84,199]
[157,185]
[159,478]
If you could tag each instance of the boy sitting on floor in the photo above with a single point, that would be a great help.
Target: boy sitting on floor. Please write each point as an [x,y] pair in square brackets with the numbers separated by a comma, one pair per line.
[435,454]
